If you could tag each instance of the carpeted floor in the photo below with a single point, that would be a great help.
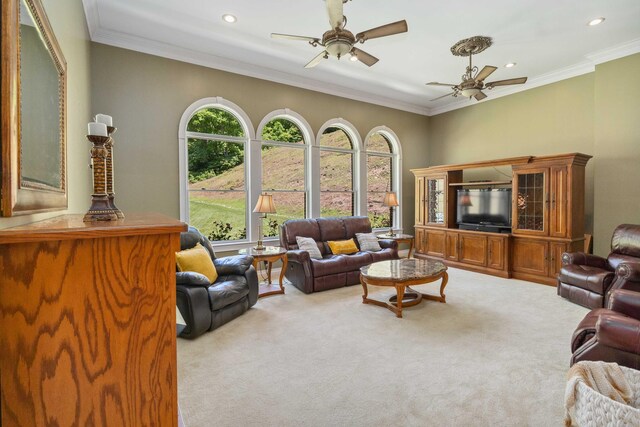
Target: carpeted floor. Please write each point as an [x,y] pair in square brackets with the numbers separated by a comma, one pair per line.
[495,354]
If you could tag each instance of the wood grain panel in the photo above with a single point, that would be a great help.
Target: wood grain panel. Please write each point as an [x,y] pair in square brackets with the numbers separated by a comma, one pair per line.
[559,200]
[88,331]
[530,256]
[473,249]
[435,243]
[451,246]
[496,258]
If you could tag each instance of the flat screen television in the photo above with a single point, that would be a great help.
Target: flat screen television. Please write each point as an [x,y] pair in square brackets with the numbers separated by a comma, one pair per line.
[486,206]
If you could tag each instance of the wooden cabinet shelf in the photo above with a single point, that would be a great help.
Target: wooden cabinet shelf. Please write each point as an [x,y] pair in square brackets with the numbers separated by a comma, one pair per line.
[479,183]
[547,217]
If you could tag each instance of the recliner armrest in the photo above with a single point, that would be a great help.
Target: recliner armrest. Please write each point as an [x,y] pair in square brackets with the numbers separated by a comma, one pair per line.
[622,333]
[235,264]
[298,256]
[388,244]
[581,258]
[191,278]
[625,302]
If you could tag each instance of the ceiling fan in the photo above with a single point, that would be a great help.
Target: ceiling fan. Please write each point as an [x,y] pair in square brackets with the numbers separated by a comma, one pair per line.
[472,80]
[339,41]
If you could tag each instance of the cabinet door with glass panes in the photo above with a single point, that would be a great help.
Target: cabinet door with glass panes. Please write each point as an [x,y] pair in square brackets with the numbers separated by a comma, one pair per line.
[531,201]
[436,200]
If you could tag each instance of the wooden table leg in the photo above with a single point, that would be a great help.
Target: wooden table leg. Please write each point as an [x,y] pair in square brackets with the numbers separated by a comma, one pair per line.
[269,265]
[400,290]
[364,290]
[410,248]
[285,261]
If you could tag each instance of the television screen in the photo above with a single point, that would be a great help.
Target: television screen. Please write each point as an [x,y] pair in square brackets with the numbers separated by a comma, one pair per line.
[484,206]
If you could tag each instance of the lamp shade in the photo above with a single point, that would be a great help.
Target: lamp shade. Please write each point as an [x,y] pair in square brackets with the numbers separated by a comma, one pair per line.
[265,204]
[390,199]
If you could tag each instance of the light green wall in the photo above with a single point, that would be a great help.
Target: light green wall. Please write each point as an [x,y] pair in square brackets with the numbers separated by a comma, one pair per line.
[69,24]
[595,114]
[617,147]
[147,95]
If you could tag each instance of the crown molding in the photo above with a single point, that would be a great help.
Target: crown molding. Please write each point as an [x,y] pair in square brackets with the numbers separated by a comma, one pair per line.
[169,51]
[625,49]
[165,50]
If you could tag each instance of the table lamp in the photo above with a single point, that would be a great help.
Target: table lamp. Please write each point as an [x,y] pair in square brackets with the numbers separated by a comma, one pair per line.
[264,206]
[391,201]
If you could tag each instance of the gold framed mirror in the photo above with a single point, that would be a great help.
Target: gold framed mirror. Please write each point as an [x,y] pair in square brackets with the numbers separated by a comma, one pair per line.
[33,112]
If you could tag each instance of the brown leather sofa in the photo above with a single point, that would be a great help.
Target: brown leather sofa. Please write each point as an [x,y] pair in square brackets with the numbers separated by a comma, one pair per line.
[332,271]
[610,334]
[588,279]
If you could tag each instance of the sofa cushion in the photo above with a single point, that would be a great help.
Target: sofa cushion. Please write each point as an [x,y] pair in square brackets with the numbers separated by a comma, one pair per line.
[382,255]
[226,291]
[343,247]
[368,242]
[583,276]
[332,229]
[357,260]
[299,227]
[330,264]
[197,259]
[309,245]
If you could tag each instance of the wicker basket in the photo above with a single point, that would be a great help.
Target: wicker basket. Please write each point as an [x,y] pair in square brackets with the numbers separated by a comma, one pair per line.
[592,409]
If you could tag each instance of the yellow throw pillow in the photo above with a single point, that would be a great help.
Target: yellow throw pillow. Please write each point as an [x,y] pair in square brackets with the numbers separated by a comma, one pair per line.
[343,247]
[197,259]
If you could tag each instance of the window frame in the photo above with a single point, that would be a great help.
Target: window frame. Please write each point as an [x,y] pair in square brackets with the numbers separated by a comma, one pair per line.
[356,166]
[396,170]
[308,142]
[249,132]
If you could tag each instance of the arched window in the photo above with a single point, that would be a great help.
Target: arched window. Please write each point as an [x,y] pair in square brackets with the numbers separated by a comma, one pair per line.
[215,137]
[337,149]
[285,139]
[382,176]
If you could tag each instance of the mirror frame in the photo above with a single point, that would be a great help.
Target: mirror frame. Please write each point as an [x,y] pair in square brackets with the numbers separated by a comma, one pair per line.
[18,197]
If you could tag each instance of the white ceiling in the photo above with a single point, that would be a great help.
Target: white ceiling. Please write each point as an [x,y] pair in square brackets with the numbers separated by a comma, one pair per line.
[548,39]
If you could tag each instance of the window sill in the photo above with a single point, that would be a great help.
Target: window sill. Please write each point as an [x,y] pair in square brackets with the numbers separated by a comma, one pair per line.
[236,246]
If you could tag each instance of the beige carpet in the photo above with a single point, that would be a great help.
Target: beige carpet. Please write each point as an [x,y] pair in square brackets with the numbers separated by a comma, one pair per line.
[495,354]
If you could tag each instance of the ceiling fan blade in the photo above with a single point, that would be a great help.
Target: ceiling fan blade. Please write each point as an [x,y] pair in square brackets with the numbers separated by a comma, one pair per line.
[336,17]
[480,96]
[364,57]
[516,81]
[292,37]
[315,61]
[485,72]
[440,84]
[443,96]
[383,31]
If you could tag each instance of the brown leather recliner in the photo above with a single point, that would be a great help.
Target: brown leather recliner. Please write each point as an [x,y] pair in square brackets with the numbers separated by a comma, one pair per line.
[332,271]
[610,334]
[588,279]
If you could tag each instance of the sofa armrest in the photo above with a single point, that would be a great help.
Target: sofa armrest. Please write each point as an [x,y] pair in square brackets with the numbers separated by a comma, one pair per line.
[193,303]
[388,244]
[580,258]
[622,333]
[625,302]
[235,264]
[299,256]
[191,278]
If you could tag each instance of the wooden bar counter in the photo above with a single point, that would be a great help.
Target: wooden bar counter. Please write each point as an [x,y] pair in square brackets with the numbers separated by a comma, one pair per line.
[87,322]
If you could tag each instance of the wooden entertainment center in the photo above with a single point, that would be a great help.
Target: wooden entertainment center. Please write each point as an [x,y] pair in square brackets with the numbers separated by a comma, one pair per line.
[547,217]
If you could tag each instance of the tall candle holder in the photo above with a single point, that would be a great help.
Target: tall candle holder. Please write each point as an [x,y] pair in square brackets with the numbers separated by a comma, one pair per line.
[109,164]
[100,209]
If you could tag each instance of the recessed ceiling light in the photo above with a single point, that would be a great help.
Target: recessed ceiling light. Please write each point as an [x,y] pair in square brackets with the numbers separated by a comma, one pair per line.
[227,17]
[595,21]
[510,65]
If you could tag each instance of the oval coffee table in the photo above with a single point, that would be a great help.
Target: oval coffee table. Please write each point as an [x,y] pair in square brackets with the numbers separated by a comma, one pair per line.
[402,273]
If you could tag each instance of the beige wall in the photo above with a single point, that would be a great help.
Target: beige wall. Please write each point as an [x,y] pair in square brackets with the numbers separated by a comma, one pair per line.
[596,114]
[147,95]
[617,147]
[69,24]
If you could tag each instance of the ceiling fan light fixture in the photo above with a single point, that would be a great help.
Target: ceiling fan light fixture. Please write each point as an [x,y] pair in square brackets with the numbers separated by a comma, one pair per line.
[227,17]
[468,93]
[353,58]
[595,22]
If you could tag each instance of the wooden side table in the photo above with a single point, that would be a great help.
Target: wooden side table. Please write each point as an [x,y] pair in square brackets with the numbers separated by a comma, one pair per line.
[270,254]
[400,238]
